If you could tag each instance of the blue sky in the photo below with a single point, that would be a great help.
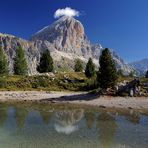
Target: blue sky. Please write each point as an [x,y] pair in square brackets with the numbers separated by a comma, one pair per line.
[118,24]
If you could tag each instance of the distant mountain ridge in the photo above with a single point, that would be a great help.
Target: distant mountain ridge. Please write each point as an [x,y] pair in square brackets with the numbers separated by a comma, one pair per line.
[141,66]
[66,40]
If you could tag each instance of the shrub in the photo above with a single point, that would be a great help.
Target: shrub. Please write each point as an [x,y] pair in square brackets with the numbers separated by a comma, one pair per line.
[3,82]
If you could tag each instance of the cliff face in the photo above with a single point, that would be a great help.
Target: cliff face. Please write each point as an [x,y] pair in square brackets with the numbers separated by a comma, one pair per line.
[65,38]
[67,35]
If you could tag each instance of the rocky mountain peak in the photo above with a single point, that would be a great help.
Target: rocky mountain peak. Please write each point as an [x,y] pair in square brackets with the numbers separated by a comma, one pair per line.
[65,23]
[64,26]
[66,34]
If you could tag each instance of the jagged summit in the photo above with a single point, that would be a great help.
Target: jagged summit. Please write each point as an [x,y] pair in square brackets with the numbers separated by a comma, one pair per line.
[63,24]
[62,21]
[66,34]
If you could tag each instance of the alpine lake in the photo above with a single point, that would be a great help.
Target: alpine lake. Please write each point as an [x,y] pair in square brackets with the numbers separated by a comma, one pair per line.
[35,125]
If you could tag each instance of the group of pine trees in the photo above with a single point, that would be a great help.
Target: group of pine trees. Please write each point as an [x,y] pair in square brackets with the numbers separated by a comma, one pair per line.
[89,70]
[20,63]
[106,75]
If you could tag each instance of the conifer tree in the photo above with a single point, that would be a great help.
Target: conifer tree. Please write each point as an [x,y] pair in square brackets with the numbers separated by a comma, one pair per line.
[46,63]
[3,62]
[90,69]
[78,66]
[107,76]
[131,74]
[120,73]
[20,63]
[146,75]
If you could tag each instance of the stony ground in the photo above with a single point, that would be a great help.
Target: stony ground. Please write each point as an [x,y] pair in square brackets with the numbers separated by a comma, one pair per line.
[81,98]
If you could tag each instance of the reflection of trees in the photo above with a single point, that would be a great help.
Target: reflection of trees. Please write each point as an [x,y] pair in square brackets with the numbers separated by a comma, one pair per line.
[134,117]
[20,116]
[46,116]
[90,118]
[66,120]
[107,128]
[3,115]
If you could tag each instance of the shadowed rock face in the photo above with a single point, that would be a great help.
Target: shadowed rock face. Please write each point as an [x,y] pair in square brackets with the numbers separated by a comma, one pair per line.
[10,43]
[32,49]
[67,41]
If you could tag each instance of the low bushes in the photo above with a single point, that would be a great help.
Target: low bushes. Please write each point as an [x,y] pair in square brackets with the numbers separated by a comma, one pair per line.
[61,81]
[3,82]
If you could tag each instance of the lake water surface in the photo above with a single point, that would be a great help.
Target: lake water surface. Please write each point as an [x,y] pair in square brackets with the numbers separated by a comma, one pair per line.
[40,126]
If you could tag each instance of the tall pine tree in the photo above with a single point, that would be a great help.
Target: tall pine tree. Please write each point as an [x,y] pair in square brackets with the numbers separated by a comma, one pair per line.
[78,65]
[107,76]
[3,62]
[46,63]
[20,63]
[90,69]
[146,75]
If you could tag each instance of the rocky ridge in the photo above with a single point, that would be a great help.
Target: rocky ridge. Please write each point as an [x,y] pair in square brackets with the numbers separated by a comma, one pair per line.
[140,66]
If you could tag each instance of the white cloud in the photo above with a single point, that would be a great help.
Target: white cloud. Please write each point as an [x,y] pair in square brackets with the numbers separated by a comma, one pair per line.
[66,12]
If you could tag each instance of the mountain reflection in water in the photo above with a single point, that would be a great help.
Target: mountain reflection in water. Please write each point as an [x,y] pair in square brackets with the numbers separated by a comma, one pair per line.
[66,121]
[53,127]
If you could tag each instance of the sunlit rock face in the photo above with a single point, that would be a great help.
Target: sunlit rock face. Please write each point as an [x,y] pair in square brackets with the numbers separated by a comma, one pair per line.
[66,40]
[67,35]
[66,121]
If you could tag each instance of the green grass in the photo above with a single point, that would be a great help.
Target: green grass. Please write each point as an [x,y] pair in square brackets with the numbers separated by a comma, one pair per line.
[144,80]
[63,81]
[69,81]
[124,78]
